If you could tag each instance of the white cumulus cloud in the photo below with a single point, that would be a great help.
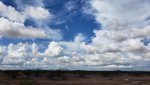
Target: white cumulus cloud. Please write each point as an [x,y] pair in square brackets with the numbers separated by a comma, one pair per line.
[37,13]
[128,10]
[12,23]
[18,30]
[117,45]
[11,13]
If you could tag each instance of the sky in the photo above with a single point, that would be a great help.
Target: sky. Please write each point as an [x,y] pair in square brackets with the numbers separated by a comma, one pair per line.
[75,35]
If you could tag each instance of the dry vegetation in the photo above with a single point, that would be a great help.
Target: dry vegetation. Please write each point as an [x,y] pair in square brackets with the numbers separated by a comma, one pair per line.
[74,78]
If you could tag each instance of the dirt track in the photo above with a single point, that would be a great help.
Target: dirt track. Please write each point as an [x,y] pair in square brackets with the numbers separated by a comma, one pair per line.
[73,78]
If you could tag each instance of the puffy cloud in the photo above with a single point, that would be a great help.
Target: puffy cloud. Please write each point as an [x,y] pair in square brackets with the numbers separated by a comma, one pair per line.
[12,61]
[117,45]
[15,54]
[26,54]
[53,49]
[120,34]
[104,51]
[23,56]
[37,13]
[11,13]
[142,32]
[16,29]
[128,10]
[79,38]
[133,45]
[12,23]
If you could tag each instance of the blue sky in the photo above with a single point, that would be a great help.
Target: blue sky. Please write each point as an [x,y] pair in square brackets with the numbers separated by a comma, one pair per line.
[70,22]
[75,34]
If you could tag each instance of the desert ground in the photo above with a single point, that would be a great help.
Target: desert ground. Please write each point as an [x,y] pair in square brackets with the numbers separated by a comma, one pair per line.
[74,78]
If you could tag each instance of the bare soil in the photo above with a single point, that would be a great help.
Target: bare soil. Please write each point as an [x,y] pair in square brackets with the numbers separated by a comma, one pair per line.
[74,78]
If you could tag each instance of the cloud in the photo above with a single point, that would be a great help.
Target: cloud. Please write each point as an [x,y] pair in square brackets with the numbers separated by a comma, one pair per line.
[11,13]
[37,13]
[12,23]
[142,32]
[53,49]
[79,38]
[21,53]
[18,30]
[116,46]
[104,51]
[55,34]
[14,54]
[130,54]
[71,5]
[134,45]
[128,10]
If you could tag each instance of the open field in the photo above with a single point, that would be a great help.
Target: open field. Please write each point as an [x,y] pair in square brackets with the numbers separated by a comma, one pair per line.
[74,78]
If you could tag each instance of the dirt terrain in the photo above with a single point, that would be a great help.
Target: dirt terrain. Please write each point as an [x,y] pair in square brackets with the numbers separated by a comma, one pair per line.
[74,78]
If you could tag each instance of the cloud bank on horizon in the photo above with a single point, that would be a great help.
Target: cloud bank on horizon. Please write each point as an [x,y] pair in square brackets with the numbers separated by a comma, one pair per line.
[121,43]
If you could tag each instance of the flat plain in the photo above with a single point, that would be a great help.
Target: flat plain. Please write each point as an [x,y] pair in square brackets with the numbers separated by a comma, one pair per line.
[38,77]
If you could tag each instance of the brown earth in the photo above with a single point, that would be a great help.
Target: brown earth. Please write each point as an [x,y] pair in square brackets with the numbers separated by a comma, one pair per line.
[74,78]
